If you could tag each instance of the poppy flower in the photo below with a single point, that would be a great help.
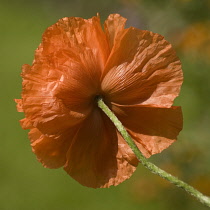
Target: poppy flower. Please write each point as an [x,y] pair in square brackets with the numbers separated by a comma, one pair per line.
[136,72]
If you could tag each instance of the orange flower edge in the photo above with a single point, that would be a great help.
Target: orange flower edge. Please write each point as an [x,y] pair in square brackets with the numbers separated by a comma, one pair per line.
[136,72]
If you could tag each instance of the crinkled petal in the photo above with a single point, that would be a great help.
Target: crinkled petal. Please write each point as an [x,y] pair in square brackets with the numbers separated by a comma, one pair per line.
[91,159]
[51,150]
[41,105]
[94,158]
[142,69]
[26,123]
[84,39]
[126,162]
[153,128]
[113,25]
[19,105]
[59,87]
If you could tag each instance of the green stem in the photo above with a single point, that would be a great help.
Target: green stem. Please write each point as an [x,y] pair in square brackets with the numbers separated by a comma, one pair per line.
[153,168]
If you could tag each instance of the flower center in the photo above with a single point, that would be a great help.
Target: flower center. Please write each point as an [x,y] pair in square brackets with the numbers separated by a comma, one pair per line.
[97,97]
[104,98]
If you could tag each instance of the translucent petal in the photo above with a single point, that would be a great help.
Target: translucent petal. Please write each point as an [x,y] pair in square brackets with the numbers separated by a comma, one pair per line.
[153,128]
[142,69]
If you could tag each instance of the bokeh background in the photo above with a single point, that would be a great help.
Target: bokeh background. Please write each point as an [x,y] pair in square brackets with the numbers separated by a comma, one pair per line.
[25,184]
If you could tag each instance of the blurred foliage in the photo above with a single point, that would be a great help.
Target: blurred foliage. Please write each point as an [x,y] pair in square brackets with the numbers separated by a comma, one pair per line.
[25,184]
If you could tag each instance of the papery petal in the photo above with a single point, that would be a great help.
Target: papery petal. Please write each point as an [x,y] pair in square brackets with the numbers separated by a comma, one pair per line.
[142,69]
[113,26]
[51,150]
[151,127]
[45,87]
[42,107]
[126,163]
[94,158]
[26,123]
[91,159]
[58,88]
[83,38]
[19,105]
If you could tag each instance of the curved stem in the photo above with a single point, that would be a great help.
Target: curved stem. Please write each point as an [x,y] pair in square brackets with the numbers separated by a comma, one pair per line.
[153,168]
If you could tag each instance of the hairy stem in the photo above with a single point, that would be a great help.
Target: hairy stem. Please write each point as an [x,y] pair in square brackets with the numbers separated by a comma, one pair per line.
[153,168]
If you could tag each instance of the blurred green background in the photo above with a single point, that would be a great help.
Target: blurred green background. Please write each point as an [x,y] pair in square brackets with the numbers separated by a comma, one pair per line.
[25,184]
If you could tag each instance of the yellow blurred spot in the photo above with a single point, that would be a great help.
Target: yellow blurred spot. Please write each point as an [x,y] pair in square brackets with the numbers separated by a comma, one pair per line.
[196,39]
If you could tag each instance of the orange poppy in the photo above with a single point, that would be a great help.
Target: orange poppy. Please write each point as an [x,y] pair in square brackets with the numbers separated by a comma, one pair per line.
[136,72]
